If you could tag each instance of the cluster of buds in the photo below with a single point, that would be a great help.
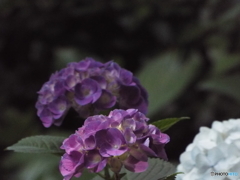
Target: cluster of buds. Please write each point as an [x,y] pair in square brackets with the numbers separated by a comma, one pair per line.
[89,87]
[123,138]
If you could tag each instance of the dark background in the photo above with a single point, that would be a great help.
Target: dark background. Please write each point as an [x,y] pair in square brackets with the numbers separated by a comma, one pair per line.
[185,53]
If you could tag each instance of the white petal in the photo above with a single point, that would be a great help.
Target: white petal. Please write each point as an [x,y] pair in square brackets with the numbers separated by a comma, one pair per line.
[202,163]
[214,155]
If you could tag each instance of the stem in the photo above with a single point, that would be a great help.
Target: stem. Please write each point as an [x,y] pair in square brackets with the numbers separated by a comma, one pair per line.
[116,176]
[106,173]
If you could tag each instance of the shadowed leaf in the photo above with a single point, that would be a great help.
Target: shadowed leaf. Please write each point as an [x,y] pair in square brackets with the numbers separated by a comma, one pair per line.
[165,124]
[171,177]
[38,144]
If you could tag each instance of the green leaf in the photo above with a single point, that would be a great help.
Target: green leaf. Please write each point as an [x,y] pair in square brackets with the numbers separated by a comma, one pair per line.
[171,177]
[86,175]
[228,85]
[165,124]
[223,61]
[165,78]
[158,168]
[38,144]
[121,175]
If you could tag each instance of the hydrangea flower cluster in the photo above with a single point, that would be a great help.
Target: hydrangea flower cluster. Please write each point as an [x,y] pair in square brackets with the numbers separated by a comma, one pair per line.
[213,150]
[89,87]
[123,138]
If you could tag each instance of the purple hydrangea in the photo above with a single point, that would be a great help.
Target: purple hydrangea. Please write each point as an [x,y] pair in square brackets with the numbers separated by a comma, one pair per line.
[89,87]
[123,138]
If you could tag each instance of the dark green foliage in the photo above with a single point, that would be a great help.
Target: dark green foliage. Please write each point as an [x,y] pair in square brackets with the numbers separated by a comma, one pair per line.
[165,124]
[158,168]
[39,144]
[171,177]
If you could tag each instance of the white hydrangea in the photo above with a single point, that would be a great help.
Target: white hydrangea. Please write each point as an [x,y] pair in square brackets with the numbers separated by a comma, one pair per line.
[213,150]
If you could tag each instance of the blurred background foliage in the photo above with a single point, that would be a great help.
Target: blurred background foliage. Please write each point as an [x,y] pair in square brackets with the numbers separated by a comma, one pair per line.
[185,53]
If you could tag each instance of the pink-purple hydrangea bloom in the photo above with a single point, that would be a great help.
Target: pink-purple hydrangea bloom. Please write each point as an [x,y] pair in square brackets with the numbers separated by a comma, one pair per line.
[89,86]
[123,138]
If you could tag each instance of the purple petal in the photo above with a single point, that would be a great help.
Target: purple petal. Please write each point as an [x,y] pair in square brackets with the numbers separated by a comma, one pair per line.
[59,88]
[93,63]
[126,77]
[96,118]
[58,106]
[87,63]
[59,118]
[129,136]
[90,143]
[110,65]
[159,150]
[113,135]
[140,116]
[106,100]
[107,150]
[93,158]
[53,76]
[160,139]
[73,143]
[101,165]
[131,112]
[46,97]
[87,92]
[143,91]
[147,150]
[83,65]
[70,82]
[142,106]
[46,117]
[63,73]
[39,108]
[134,165]
[96,123]
[71,165]
[101,81]
[117,115]
[129,96]
[129,123]
[133,96]
[111,142]
[138,154]
[100,137]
